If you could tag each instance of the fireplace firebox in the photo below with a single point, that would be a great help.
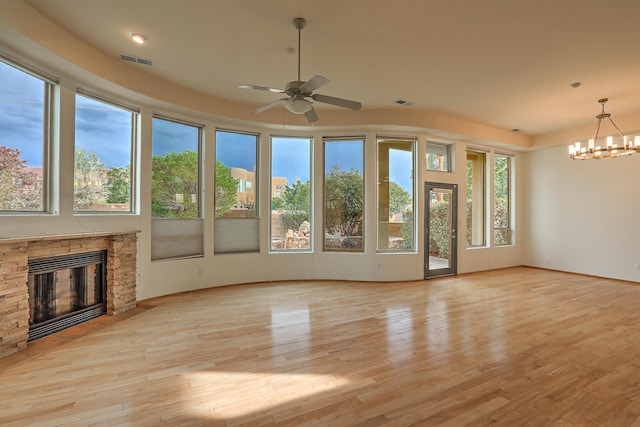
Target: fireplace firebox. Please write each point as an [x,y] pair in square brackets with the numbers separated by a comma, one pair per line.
[65,291]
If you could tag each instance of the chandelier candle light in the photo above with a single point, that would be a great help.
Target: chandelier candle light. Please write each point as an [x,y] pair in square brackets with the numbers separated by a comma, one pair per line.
[612,149]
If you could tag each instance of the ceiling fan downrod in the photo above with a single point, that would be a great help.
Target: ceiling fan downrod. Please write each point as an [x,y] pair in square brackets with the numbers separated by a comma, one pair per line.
[299,23]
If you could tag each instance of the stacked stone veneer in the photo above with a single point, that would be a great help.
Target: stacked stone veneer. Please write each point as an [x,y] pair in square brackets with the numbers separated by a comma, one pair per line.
[14,295]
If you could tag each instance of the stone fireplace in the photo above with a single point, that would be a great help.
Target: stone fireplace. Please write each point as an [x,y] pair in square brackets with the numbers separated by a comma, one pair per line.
[117,253]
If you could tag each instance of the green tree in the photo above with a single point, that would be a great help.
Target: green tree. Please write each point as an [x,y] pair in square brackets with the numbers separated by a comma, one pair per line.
[118,188]
[20,189]
[344,193]
[501,200]
[439,228]
[295,200]
[89,178]
[174,185]
[399,199]
[407,230]
[226,189]
[469,202]
[436,162]
[400,202]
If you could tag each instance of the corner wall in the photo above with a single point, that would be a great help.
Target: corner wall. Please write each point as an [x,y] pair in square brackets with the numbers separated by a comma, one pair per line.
[582,216]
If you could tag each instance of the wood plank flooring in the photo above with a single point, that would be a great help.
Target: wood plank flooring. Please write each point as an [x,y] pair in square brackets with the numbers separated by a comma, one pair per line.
[510,347]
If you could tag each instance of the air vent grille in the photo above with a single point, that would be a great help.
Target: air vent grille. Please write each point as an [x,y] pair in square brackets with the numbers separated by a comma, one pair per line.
[403,102]
[136,60]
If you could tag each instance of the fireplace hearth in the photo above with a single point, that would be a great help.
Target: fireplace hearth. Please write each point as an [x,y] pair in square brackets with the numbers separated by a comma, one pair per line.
[65,291]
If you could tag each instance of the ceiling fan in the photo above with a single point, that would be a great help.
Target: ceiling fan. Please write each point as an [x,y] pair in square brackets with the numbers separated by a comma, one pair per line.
[299,91]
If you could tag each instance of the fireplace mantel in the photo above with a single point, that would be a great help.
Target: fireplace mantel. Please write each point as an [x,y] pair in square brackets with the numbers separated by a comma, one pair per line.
[15,253]
[40,237]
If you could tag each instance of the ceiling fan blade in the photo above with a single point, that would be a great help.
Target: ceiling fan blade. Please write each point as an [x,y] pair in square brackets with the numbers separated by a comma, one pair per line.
[311,116]
[345,103]
[270,105]
[268,89]
[316,82]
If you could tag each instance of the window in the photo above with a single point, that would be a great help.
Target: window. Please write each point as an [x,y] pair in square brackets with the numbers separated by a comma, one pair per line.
[104,147]
[502,166]
[236,223]
[175,189]
[395,195]
[25,108]
[290,194]
[175,170]
[343,194]
[236,174]
[438,157]
[476,235]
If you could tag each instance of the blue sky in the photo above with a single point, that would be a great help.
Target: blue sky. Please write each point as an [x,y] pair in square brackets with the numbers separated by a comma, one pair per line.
[346,155]
[168,136]
[21,101]
[236,150]
[107,131]
[398,171]
[291,157]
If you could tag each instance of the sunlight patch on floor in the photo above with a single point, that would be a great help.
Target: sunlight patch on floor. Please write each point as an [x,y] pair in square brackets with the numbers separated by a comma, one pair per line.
[225,395]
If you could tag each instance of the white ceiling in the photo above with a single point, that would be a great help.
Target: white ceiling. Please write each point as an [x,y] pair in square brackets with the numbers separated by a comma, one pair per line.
[506,63]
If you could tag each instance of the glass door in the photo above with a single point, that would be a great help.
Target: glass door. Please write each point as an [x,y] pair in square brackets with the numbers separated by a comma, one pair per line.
[441,229]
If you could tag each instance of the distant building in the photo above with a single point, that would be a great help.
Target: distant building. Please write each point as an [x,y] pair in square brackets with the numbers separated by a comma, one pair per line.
[246,197]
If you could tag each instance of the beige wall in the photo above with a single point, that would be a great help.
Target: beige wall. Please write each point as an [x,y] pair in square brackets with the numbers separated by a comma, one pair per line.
[582,215]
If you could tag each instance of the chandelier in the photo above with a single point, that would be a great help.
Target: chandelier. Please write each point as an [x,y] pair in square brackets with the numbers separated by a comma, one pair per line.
[616,145]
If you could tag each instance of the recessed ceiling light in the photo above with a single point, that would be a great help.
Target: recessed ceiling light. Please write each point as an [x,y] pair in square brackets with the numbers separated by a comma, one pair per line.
[138,38]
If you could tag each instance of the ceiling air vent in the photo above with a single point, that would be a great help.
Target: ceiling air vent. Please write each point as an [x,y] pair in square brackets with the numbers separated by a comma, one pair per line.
[136,60]
[403,102]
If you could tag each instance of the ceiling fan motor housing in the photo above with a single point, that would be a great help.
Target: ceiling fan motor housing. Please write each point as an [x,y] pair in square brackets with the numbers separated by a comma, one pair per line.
[293,88]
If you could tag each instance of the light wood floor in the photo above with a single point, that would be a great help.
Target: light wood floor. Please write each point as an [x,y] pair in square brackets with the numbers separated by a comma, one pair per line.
[510,347]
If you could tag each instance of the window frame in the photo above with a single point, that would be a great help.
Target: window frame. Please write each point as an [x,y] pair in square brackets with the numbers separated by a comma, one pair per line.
[50,96]
[238,234]
[189,231]
[200,172]
[384,211]
[133,157]
[509,192]
[448,152]
[271,248]
[332,139]
[477,195]
[256,182]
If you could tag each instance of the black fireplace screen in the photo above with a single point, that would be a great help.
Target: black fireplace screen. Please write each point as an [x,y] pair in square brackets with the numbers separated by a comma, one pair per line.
[65,291]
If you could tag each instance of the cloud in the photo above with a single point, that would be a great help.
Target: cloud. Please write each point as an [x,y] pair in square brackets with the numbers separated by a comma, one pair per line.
[105,130]
[170,136]
[236,150]
[21,126]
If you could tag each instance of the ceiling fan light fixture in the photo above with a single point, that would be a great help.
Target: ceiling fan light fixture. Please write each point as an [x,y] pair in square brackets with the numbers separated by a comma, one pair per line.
[298,105]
